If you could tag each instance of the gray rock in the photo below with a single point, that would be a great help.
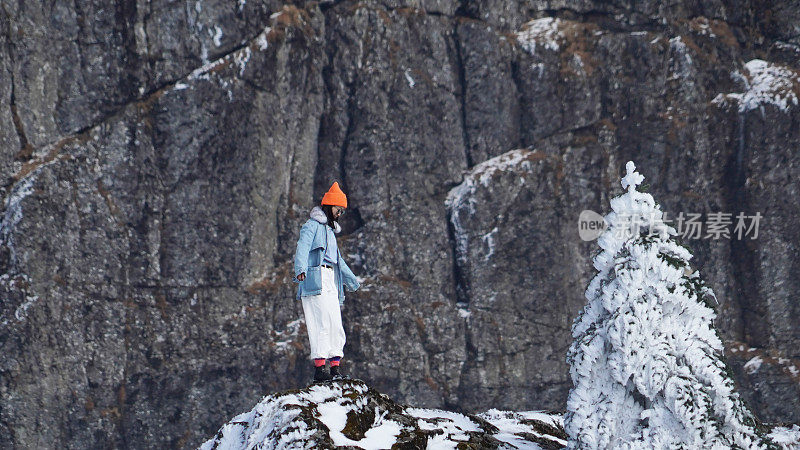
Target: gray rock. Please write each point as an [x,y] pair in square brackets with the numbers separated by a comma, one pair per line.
[512,218]
[155,173]
[159,228]
[764,379]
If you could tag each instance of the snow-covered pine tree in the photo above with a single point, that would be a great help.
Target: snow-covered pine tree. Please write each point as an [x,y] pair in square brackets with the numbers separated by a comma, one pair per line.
[646,361]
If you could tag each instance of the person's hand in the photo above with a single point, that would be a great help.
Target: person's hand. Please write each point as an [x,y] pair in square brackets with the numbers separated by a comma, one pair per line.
[302,276]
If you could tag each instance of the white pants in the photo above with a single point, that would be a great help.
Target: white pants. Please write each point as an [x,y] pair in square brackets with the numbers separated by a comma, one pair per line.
[324,319]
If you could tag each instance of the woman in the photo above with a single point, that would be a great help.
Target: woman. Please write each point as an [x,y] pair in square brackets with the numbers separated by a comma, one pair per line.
[322,272]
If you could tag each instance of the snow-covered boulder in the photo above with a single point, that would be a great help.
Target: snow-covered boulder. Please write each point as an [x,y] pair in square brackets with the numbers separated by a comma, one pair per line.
[350,413]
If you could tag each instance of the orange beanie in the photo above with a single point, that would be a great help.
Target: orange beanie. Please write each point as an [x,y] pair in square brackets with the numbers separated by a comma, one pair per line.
[335,196]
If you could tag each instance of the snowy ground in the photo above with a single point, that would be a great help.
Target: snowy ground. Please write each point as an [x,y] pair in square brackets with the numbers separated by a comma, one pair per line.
[349,413]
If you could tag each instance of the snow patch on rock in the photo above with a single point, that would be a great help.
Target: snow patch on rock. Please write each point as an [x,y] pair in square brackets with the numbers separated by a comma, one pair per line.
[683,59]
[758,357]
[544,32]
[786,438]
[349,413]
[482,173]
[460,201]
[239,57]
[488,239]
[455,426]
[513,426]
[753,365]
[18,282]
[283,341]
[12,215]
[765,83]
[383,433]
[242,58]
[13,212]
[216,35]
[410,80]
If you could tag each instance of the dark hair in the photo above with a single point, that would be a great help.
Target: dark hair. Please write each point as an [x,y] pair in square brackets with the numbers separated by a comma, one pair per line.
[329,214]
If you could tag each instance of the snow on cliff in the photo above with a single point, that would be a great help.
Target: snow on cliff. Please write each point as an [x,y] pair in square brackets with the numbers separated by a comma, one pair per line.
[350,413]
[544,32]
[765,83]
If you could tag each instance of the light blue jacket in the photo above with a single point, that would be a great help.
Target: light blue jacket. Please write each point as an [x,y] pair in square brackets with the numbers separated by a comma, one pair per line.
[309,254]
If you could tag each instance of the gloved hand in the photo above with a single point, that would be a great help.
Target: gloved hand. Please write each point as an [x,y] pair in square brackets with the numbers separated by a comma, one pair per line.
[302,276]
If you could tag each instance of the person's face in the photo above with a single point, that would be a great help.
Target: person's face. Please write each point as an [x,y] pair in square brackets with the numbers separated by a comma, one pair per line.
[337,211]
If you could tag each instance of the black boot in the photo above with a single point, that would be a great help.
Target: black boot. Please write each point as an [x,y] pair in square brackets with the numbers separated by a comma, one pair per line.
[336,375]
[321,374]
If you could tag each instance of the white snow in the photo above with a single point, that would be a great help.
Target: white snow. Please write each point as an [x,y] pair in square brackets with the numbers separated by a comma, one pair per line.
[632,178]
[364,287]
[217,35]
[542,32]
[14,282]
[275,422]
[281,431]
[463,310]
[488,239]
[765,83]
[786,438]
[22,310]
[511,424]
[12,215]
[262,41]
[201,72]
[284,339]
[454,424]
[703,27]
[554,420]
[239,57]
[409,79]
[753,365]
[382,435]
[683,59]
[13,211]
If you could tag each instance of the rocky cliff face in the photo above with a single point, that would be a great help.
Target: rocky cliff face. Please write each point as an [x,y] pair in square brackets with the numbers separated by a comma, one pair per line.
[158,158]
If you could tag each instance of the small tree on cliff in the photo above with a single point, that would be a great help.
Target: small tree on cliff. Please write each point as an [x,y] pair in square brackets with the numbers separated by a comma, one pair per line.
[646,361]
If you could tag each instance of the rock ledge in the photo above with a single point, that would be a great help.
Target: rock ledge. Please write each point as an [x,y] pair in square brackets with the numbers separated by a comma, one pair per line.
[350,414]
